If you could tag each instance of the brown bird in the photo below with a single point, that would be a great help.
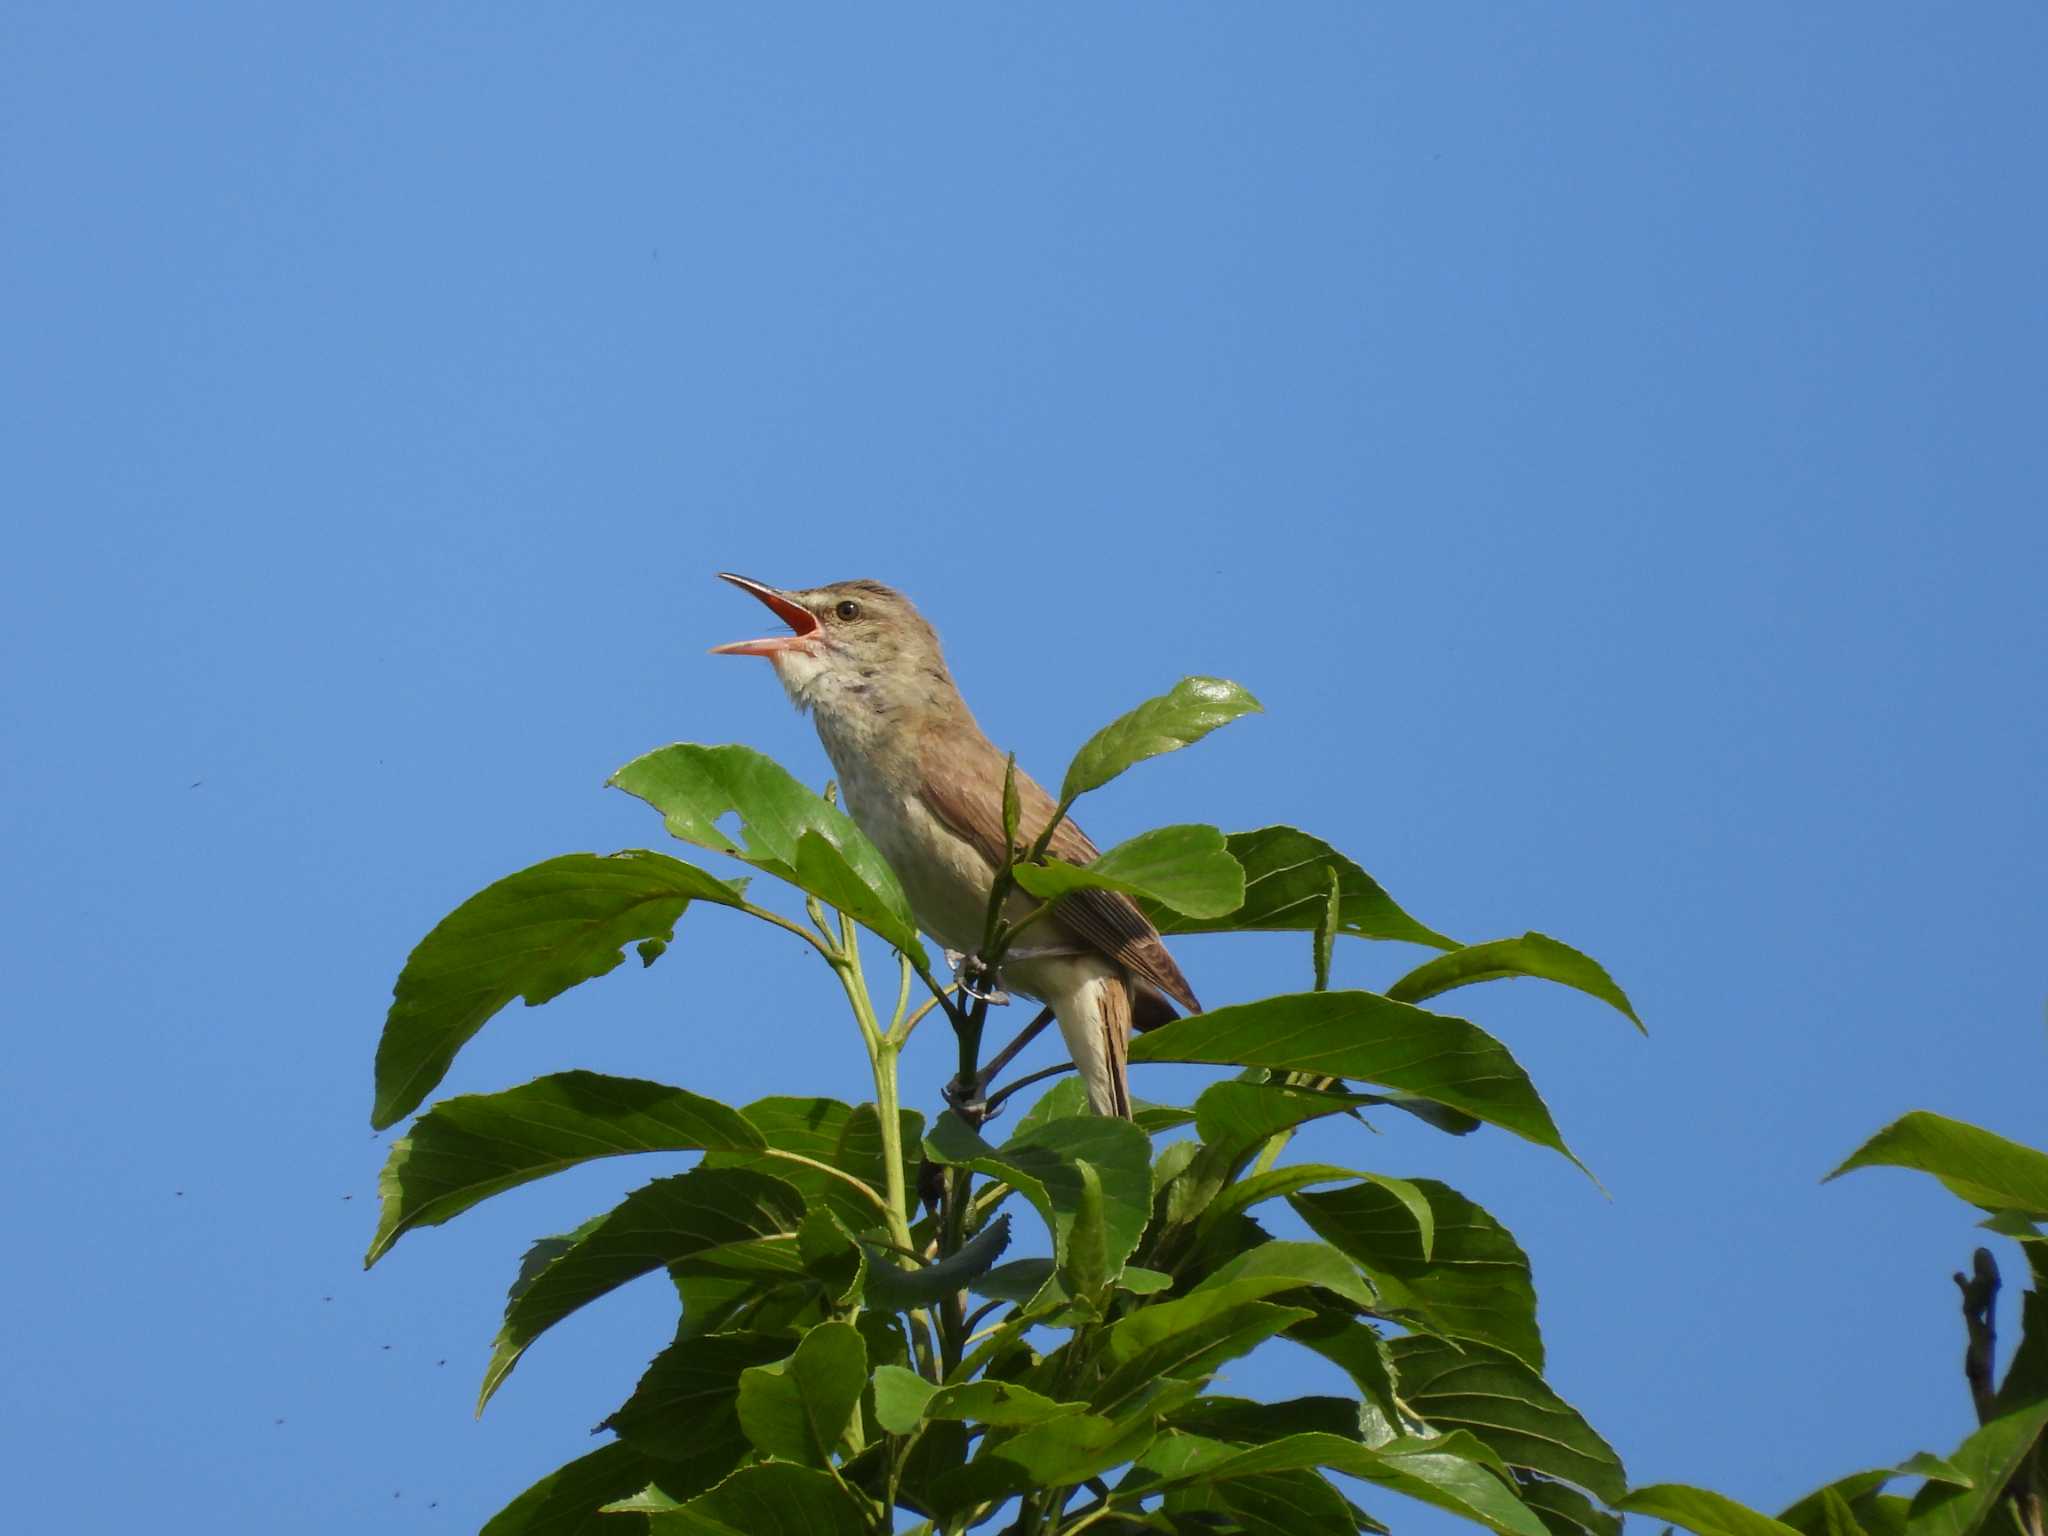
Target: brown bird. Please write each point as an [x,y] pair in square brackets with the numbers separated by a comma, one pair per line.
[926,786]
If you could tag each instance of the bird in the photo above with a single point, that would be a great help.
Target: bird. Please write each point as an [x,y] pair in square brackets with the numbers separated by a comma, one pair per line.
[922,780]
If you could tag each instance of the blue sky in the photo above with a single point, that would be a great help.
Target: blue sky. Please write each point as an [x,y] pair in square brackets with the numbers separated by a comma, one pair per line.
[1609,439]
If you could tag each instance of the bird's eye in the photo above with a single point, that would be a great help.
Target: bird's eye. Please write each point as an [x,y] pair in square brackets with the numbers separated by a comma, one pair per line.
[848,610]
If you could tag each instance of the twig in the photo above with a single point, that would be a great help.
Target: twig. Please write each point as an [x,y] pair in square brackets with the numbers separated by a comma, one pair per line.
[1980,1301]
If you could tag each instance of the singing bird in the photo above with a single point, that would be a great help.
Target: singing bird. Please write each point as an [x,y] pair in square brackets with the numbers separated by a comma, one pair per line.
[926,786]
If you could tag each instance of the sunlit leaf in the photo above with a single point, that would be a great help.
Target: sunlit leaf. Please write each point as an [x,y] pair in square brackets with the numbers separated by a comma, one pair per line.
[1287,888]
[785,829]
[1533,954]
[532,935]
[1565,1511]
[775,1498]
[904,1399]
[1978,1165]
[799,1409]
[1473,1284]
[1186,1339]
[1371,1038]
[568,1501]
[1989,1458]
[1039,1163]
[684,1410]
[1193,708]
[1701,1511]
[467,1149]
[1470,1385]
[687,1215]
[1186,868]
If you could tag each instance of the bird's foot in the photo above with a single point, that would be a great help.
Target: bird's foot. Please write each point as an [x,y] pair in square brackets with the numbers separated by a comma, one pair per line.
[976,979]
[969,1100]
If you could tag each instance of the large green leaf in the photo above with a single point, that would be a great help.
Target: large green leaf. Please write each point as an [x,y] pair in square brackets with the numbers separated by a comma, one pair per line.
[1355,1348]
[1470,1385]
[1989,1458]
[785,830]
[1185,1340]
[1193,708]
[1533,954]
[1053,1454]
[1039,1163]
[1287,887]
[1246,1422]
[1448,1471]
[532,935]
[1292,1503]
[1277,1182]
[1238,1113]
[569,1500]
[1701,1511]
[904,1400]
[800,1409]
[840,1136]
[775,1498]
[1366,1036]
[1185,868]
[1472,1284]
[1975,1164]
[467,1149]
[684,1413]
[1280,1265]
[686,1215]
[1566,1511]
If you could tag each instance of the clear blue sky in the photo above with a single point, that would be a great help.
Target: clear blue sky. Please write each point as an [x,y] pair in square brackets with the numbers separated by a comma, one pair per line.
[1610,439]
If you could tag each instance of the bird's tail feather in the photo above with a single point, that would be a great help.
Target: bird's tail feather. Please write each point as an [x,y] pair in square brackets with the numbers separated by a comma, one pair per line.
[1099,1037]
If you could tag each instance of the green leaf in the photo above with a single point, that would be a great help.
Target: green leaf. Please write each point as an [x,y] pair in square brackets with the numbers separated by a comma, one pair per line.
[900,1398]
[688,1214]
[1295,1503]
[1373,1038]
[1086,1273]
[467,1149]
[841,1136]
[1246,1422]
[1237,1113]
[775,1498]
[1473,1386]
[1276,1182]
[684,1411]
[1973,1163]
[1355,1348]
[1566,1511]
[532,935]
[1039,1163]
[568,1501]
[1185,868]
[1185,1340]
[1447,1471]
[1054,1454]
[904,1400]
[800,1409]
[1474,1282]
[1989,1458]
[894,1289]
[1013,809]
[1191,710]
[1533,954]
[1701,1511]
[1279,1265]
[1287,889]
[785,830]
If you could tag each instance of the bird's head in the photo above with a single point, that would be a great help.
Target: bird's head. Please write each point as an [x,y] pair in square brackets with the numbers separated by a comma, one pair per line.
[851,643]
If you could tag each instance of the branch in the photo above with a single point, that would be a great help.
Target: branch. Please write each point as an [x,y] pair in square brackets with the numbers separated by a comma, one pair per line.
[1980,1301]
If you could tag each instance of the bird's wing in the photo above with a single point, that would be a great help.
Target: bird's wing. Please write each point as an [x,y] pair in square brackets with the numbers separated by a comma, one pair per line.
[950,762]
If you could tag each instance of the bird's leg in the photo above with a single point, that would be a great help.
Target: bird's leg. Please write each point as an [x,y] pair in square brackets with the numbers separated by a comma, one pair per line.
[977,978]
[968,1099]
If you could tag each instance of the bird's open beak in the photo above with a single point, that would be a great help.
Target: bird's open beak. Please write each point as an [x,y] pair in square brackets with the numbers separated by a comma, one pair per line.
[794,614]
